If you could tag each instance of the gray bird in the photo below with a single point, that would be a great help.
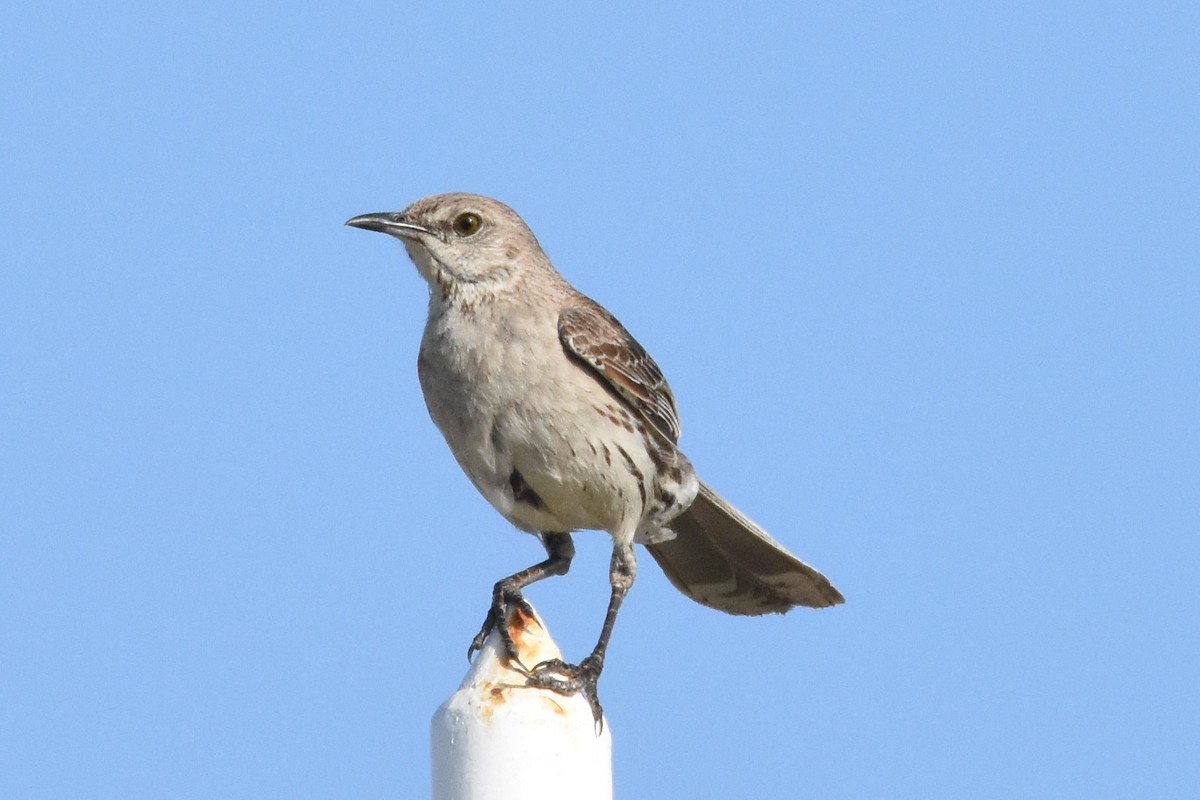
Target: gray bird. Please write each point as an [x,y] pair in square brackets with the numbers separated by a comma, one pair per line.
[564,423]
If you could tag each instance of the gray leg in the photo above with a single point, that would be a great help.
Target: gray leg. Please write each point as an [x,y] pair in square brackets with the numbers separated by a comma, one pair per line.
[583,677]
[506,594]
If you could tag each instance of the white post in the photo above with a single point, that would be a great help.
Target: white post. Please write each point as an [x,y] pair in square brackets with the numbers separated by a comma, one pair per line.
[498,739]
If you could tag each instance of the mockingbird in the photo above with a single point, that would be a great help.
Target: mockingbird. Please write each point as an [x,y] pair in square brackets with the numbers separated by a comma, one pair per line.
[564,422]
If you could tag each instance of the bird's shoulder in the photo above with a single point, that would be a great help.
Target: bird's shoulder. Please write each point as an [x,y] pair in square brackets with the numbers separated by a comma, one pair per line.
[593,336]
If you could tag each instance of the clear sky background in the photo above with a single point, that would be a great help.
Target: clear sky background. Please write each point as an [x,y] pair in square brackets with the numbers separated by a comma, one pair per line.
[925,278]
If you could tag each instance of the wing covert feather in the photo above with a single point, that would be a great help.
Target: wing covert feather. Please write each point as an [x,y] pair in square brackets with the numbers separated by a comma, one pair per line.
[596,338]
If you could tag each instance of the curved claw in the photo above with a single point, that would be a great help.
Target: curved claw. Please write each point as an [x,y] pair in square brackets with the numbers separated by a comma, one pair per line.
[489,625]
[567,679]
[504,601]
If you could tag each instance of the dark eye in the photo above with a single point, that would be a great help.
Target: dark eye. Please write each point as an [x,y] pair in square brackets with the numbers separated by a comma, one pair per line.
[467,224]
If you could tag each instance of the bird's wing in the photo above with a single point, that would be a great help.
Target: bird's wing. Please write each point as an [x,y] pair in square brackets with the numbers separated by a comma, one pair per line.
[592,335]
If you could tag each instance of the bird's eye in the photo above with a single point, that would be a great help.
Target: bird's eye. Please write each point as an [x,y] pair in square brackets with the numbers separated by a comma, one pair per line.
[467,224]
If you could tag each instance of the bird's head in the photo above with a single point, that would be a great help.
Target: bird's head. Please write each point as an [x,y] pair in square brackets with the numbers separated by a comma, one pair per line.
[460,241]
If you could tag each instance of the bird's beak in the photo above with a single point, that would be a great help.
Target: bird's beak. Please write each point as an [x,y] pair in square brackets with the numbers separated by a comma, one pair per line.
[390,222]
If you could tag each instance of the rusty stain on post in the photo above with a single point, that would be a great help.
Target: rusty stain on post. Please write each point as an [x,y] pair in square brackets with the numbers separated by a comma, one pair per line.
[497,738]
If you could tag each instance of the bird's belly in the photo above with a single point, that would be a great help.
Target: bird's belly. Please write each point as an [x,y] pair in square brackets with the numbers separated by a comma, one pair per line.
[545,458]
[580,474]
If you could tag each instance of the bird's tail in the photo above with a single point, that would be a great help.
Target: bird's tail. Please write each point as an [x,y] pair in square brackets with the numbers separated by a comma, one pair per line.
[721,559]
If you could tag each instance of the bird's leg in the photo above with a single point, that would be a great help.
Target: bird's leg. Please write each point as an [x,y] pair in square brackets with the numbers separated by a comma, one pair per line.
[557,675]
[506,594]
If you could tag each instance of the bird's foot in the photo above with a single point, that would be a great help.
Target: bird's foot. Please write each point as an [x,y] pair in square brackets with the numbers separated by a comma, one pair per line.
[505,600]
[567,679]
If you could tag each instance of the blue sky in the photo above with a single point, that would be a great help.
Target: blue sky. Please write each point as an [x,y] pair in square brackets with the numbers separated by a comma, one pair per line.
[924,278]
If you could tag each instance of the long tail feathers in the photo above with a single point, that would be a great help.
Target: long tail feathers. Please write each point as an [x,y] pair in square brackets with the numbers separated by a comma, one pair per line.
[721,559]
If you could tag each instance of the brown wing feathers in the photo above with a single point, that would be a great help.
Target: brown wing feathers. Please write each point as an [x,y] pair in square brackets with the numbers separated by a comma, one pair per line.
[594,336]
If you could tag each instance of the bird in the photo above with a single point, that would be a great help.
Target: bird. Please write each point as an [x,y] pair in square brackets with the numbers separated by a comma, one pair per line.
[564,422]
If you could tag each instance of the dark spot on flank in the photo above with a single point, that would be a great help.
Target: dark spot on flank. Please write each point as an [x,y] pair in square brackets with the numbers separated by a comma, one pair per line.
[657,456]
[522,492]
[635,472]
